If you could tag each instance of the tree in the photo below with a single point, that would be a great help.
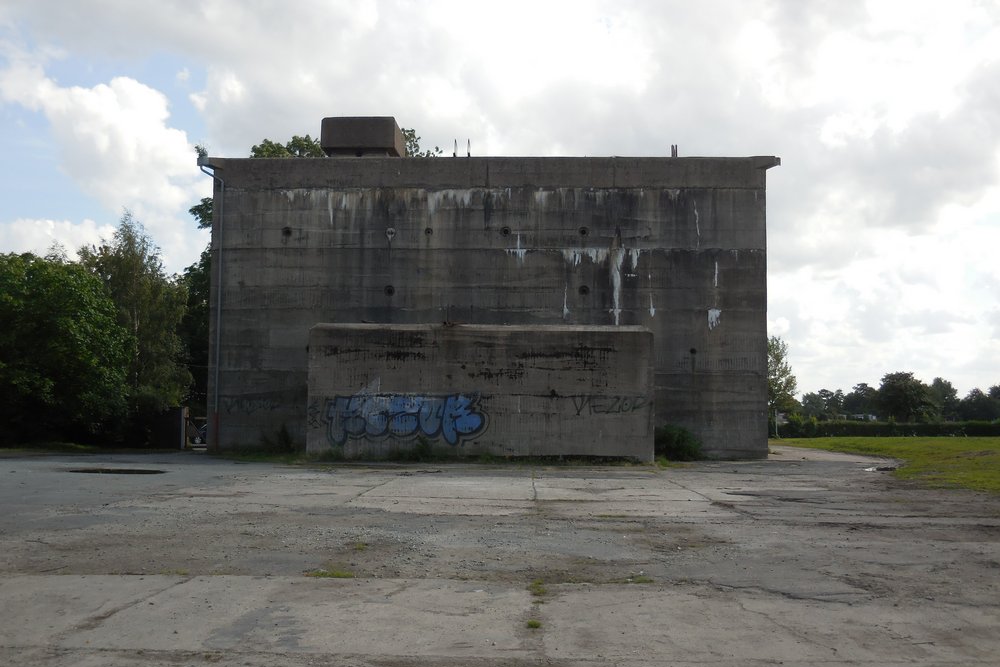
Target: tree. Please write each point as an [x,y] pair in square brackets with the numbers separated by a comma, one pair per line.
[62,352]
[813,405]
[193,328]
[833,403]
[781,384]
[297,147]
[413,145]
[861,400]
[150,305]
[944,396]
[904,398]
[979,406]
[202,212]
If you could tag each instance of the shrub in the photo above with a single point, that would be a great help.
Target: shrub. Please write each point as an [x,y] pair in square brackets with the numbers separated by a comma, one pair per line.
[676,443]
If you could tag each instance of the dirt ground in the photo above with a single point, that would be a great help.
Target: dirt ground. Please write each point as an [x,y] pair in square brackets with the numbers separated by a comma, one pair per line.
[803,559]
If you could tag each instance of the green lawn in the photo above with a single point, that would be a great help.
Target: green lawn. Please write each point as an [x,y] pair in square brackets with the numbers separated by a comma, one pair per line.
[970,463]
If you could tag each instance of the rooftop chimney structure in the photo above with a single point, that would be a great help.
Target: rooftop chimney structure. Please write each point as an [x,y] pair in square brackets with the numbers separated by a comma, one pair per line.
[362,136]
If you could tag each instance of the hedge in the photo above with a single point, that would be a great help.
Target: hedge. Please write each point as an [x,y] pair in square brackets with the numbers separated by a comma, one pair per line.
[812,428]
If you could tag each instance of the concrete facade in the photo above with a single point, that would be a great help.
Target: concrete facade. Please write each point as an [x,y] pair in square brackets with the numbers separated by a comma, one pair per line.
[676,245]
[377,389]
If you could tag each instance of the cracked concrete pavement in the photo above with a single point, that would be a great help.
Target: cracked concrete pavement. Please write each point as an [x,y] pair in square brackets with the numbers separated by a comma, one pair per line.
[804,559]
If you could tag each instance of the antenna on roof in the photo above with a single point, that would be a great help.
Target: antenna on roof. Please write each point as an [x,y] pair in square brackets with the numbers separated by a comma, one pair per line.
[468,148]
[454,153]
[673,150]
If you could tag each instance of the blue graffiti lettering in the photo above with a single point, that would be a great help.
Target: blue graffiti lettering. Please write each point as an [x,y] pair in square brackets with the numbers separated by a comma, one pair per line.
[451,417]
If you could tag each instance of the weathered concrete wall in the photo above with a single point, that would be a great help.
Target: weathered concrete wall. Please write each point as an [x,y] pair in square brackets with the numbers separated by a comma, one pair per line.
[673,244]
[377,389]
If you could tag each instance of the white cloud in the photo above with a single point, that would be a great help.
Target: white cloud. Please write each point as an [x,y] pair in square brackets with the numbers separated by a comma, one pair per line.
[37,236]
[116,144]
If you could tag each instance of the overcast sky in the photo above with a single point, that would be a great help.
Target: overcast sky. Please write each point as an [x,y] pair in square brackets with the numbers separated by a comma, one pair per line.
[883,220]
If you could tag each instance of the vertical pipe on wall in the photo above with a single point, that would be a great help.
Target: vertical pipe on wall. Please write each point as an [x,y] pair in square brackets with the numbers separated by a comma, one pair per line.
[216,215]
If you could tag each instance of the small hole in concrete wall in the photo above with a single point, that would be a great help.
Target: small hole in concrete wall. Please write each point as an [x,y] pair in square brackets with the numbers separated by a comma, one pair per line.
[584,231]
[428,231]
[584,290]
[694,351]
[505,231]
[286,231]
[389,290]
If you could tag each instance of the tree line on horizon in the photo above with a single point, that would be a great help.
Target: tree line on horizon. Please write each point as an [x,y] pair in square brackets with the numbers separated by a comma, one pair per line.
[900,397]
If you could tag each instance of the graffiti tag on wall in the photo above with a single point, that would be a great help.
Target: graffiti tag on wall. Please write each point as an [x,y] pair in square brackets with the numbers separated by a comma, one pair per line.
[451,417]
[608,405]
[248,404]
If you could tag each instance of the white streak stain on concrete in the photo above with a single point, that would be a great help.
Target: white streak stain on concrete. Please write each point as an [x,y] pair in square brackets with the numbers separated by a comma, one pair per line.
[652,308]
[715,281]
[459,198]
[697,226]
[633,256]
[329,206]
[433,200]
[574,256]
[518,252]
[598,255]
[565,301]
[541,197]
[714,318]
[617,259]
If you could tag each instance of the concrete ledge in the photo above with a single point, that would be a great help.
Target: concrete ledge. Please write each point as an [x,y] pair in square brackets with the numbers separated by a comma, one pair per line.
[497,172]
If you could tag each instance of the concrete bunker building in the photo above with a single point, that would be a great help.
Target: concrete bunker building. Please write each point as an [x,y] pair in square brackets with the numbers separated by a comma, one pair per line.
[526,281]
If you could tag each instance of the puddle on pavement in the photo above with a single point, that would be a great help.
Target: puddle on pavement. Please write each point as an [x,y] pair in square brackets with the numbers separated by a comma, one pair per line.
[119,471]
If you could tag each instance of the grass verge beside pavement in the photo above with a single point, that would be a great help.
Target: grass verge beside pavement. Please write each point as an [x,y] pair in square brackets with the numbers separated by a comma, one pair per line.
[969,463]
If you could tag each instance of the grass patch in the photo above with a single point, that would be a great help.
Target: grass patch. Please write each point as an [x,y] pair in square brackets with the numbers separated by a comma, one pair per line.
[360,546]
[330,574]
[639,579]
[533,624]
[537,588]
[967,463]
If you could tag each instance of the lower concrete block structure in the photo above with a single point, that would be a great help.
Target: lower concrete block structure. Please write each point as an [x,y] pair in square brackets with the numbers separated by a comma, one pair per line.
[376,390]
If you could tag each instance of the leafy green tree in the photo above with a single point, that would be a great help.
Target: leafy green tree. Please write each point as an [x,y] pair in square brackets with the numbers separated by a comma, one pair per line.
[781,383]
[904,398]
[63,354]
[979,406]
[813,405]
[944,396]
[150,305]
[193,328]
[833,403]
[202,212]
[861,400]
[413,145]
[296,147]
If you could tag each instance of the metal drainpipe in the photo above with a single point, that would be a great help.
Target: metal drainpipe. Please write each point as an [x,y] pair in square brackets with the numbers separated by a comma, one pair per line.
[202,163]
